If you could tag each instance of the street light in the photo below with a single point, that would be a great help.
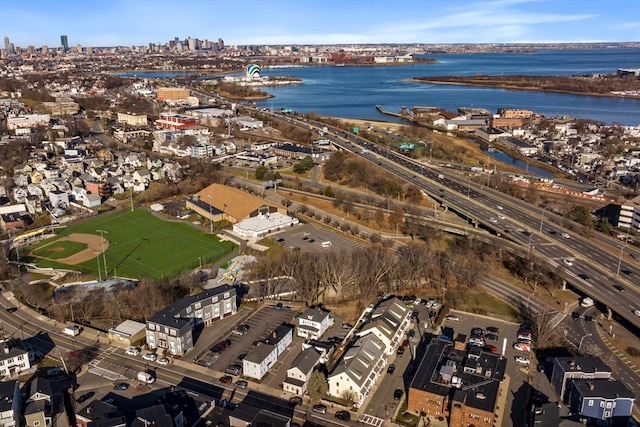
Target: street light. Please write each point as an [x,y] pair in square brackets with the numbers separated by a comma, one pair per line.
[620,259]
[542,219]
[581,339]
[104,258]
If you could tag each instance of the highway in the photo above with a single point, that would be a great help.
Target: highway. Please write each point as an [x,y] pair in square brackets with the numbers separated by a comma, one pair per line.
[592,266]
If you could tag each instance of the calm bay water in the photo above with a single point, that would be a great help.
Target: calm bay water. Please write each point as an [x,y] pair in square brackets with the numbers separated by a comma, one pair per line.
[353,91]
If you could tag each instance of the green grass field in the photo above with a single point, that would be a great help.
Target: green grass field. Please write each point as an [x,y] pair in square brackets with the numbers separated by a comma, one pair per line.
[68,248]
[140,245]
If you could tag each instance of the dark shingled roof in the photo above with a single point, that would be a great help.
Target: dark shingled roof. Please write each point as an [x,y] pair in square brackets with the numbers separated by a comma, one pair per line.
[480,374]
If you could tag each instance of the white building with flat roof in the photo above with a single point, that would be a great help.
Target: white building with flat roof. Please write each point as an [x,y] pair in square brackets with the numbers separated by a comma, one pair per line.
[263,224]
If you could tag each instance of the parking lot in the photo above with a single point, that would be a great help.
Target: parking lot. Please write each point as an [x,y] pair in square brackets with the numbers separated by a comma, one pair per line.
[260,324]
[310,238]
[505,340]
[497,333]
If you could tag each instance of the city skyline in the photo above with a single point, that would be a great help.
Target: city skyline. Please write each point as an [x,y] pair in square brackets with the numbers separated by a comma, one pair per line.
[277,22]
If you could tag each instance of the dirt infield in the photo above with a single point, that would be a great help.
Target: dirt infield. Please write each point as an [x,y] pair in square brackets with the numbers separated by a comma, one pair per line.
[93,242]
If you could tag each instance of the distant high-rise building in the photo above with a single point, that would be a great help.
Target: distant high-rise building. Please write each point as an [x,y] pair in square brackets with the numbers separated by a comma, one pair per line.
[44,48]
[65,43]
[8,46]
[192,43]
[220,44]
[89,50]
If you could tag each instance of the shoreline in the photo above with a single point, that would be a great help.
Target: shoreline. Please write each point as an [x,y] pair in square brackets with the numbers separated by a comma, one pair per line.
[515,87]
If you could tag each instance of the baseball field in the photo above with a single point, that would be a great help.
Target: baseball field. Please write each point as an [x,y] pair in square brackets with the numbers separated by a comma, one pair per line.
[136,244]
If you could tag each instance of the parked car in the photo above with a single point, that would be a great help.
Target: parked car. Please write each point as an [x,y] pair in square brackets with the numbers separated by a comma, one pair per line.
[343,415]
[411,333]
[149,356]
[400,351]
[476,342]
[522,347]
[241,384]
[397,395]
[491,337]
[452,317]
[493,329]
[86,396]
[226,379]
[405,343]
[132,351]
[121,386]
[240,330]
[391,369]
[477,332]
[163,361]
[295,400]
[347,326]
[523,360]
[490,348]
[321,409]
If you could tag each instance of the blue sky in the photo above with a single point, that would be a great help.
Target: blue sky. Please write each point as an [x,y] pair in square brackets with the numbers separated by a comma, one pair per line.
[139,22]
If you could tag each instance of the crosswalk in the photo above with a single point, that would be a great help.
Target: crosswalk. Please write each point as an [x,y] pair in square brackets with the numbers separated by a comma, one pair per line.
[102,372]
[371,420]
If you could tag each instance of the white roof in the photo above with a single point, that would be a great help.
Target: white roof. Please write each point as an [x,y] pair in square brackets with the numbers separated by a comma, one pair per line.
[266,222]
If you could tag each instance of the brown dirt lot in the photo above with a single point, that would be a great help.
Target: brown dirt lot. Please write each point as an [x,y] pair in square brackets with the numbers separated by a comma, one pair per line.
[93,242]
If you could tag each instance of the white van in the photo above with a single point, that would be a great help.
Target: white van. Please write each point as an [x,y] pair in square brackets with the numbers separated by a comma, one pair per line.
[146,377]
[72,330]
[326,244]
[587,302]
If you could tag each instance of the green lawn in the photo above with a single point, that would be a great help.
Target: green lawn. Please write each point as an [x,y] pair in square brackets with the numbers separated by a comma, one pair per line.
[140,244]
[52,251]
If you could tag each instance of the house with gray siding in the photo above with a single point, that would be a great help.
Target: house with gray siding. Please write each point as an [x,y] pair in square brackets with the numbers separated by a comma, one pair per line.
[172,328]
[601,402]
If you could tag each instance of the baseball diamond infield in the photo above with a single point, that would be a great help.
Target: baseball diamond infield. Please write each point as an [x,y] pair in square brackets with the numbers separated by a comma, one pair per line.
[136,244]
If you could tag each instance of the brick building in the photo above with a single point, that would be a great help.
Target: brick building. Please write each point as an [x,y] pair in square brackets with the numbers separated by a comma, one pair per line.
[458,383]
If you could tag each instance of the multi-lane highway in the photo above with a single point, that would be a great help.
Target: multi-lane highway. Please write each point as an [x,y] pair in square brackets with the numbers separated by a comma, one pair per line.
[598,266]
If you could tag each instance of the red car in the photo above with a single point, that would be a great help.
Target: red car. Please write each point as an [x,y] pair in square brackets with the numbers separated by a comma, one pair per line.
[226,379]
[405,343]
[491,348]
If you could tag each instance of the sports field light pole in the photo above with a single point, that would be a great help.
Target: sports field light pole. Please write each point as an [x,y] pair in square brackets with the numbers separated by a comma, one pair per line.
[98,261]
[104,258]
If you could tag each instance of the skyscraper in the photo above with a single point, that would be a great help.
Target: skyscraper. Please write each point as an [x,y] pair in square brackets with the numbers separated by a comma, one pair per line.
[8,46]
[65,43]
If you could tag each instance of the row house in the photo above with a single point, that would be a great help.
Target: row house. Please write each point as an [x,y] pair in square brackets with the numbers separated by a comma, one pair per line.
[264,356]
[300,371]
[358,371]
[388,321]
[172,328]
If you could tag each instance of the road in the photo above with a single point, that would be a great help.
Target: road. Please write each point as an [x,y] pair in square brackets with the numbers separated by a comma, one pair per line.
[600,259]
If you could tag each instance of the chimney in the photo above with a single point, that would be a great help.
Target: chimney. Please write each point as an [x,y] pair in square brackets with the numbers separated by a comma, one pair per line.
[591,386]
